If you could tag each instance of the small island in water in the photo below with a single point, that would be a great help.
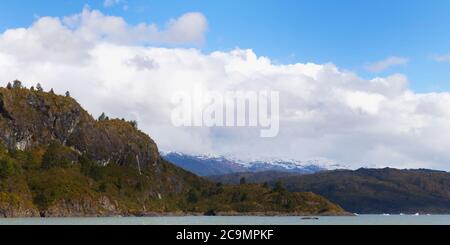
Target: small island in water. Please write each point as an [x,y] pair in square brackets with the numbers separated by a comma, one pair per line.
[56,160]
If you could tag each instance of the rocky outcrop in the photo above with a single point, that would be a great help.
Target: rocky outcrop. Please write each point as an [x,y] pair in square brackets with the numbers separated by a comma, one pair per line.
[31,118]
[86,207]
[13,205]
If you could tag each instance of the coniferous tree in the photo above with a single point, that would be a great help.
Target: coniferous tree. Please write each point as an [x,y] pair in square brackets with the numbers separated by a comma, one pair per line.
[52,91]
[243,181]
[9,86]
[54,157]
[67,94]
[17,84]
[102,117]
[39,88]
[193,196]
[279,187]
[134,124]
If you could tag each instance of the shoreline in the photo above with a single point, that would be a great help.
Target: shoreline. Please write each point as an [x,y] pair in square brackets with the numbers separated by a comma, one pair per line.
[193,214]
[177,215]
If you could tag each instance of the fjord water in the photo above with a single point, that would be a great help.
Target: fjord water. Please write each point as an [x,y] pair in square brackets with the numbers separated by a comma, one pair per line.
[241,220]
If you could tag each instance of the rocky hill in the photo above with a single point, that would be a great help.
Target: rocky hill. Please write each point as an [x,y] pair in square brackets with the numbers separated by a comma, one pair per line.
[370,191]
[31,118]
[56,160]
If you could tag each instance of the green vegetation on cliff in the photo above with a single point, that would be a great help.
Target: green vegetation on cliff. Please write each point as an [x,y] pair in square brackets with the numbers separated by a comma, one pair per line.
[56,160]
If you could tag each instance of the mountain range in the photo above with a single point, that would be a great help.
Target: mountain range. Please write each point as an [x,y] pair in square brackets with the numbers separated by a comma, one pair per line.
[207,165]
[373,191]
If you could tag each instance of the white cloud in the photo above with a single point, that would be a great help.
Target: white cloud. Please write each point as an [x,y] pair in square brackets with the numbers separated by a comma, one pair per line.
[442,58]
[70,39]
[111,3]
[325,112]
[387,63]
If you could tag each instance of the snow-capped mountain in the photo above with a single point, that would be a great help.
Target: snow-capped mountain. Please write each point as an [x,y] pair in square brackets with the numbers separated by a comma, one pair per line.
[208,165]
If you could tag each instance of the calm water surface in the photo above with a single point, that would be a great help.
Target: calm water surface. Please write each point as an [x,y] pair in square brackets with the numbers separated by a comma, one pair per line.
[246,220]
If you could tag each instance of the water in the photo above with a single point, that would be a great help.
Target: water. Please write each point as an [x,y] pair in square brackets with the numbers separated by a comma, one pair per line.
[245,220]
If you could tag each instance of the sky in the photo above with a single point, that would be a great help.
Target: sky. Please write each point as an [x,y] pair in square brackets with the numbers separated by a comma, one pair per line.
[351,34]
[364,83]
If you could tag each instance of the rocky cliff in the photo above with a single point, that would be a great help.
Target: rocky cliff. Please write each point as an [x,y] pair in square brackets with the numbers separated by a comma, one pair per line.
[30,118]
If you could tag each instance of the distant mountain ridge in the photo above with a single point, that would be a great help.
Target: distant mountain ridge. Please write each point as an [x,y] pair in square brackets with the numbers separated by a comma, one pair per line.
[366,191]
[210,165]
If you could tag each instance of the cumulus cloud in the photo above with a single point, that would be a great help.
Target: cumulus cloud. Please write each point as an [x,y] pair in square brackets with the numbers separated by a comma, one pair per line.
[325,112]
[70,39]
[143,63]
[442,58]
[111,3]
[387,63]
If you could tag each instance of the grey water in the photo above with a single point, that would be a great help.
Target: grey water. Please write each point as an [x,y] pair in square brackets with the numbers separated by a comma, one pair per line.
[240,220]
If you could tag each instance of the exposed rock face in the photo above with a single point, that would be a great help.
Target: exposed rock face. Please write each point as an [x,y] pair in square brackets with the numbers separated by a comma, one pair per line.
[10,212]
[12,205]
[31,118]
[86,207]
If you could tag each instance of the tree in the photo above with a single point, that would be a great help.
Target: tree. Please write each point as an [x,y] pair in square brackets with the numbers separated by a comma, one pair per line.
[32,88]
[265,185]
[89,167]
[102,117]
[238,197]
[9,86]
[290,204]
[7,167]
[67,94]
[279,187]
[39,88]
[55,156]
[243,181]
[244,197]
[193,196]
[52,91]
[103,187]
[134,124]
[17,84]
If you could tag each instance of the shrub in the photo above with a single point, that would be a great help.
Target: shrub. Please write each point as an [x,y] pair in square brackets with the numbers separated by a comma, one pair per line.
[279,187]
[243,181]
[57,155]
[193,196]
[90,168]
[7,167]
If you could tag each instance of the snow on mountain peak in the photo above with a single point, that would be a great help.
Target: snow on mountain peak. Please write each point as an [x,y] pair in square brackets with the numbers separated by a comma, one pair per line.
[268,163]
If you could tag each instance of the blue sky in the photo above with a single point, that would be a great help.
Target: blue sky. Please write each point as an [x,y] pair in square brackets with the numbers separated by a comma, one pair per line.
[348,33]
